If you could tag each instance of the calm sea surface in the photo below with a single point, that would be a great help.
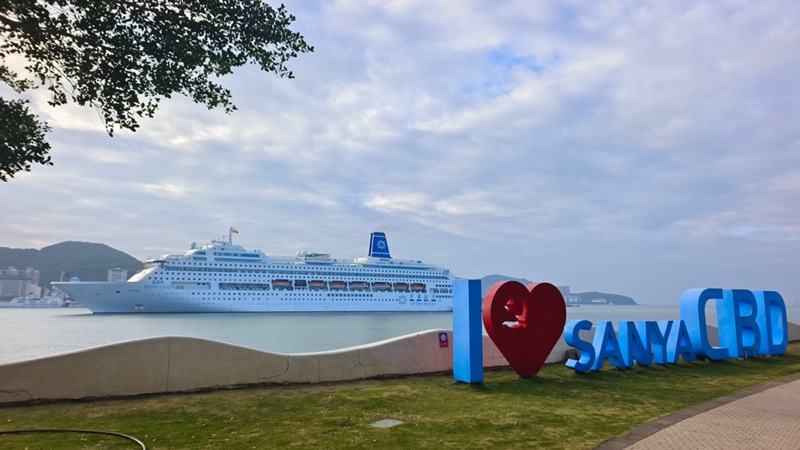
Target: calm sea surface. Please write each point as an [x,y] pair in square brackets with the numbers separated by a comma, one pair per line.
[33,333]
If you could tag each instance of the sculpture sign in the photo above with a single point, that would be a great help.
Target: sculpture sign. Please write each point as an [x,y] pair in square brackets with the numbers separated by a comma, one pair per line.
[525,323]
[749,324]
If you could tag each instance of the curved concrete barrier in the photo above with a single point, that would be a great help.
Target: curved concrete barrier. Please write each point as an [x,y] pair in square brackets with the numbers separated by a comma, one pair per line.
[179,364]
[176,364]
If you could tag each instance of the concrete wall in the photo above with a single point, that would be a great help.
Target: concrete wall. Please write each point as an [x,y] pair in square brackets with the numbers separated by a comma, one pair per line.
[175,364]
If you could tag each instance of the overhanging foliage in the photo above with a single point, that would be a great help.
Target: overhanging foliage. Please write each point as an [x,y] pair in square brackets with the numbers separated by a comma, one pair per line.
[123,57]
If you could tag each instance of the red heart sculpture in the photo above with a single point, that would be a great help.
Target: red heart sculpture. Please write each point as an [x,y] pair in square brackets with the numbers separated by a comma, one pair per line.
[524,323]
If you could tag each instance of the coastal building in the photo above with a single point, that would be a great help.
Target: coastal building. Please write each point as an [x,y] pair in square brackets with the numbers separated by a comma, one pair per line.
[18,283]
[569,298]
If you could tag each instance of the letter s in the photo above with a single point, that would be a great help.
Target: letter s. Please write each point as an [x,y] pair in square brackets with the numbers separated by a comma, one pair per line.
[573,339]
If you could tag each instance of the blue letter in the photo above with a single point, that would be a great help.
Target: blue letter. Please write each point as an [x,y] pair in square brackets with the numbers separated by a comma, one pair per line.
[679,343]
[657,333]
[773,323]
[467,335]
[606,346]
[573,339]
[693,313]
[634,344]
[738,329]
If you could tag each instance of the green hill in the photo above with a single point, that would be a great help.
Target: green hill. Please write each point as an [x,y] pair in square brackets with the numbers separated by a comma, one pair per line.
[86,260]
[21,258]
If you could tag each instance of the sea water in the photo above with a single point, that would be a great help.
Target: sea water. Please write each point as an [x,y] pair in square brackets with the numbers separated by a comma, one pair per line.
[33,333]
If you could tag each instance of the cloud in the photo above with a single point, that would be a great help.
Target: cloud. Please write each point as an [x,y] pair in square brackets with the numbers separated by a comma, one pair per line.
[636,148]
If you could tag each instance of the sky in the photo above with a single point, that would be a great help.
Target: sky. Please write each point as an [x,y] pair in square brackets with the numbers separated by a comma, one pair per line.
[635,148]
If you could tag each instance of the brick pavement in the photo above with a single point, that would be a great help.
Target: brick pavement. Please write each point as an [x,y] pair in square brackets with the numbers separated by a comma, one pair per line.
[763,417]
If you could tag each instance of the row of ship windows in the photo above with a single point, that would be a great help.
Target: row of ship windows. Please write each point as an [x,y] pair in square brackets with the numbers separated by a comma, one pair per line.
[289,270]
[230,260]
[170,277]
[266,287]
[328,294]
[340,297]
[238,260]
[309,274]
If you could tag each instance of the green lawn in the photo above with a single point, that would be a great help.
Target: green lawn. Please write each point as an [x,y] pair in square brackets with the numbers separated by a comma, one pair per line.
[557,409]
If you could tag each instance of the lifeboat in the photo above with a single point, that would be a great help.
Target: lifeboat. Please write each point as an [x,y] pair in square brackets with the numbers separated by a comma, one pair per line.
[300,283]
[418,287]
[338,285]
[317,284]
[359,285]
[281,284]
[381,286]
[401,286]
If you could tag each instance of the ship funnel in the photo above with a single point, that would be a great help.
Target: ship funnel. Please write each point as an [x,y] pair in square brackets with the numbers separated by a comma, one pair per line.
[378,247]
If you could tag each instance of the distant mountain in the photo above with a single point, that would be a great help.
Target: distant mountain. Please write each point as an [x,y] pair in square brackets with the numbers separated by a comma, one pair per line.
[490,280]
[584,298]
[591,298]
[88,261]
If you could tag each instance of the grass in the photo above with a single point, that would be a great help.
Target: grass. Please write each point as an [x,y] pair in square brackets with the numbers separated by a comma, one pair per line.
[556,409]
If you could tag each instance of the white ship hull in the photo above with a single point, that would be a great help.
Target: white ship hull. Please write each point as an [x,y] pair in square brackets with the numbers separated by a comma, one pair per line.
[225,278]
[104,297]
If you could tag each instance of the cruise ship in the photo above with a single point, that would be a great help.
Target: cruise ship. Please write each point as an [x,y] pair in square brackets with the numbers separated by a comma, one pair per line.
[224,277]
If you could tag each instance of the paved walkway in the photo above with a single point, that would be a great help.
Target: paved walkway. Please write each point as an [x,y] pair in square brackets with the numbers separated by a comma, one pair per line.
[763,417]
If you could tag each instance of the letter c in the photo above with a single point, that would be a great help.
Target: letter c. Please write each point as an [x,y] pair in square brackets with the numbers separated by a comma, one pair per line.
[693,314]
